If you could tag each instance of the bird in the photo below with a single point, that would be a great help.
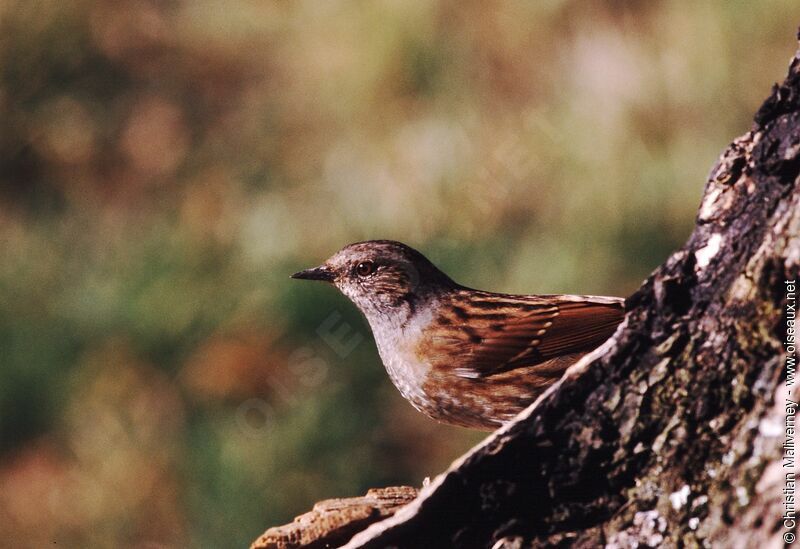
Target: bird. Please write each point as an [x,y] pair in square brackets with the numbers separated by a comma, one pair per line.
[462,356]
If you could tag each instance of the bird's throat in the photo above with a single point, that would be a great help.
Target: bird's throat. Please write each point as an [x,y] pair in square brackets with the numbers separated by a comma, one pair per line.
[397,333]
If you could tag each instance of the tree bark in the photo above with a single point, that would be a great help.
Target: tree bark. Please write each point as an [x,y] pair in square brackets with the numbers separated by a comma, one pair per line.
[333,522]
[671,433]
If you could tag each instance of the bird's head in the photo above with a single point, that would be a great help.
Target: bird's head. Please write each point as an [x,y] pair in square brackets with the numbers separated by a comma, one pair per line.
[380,276]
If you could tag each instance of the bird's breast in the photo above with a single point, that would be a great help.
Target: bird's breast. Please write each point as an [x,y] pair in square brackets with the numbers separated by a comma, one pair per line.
[398,344]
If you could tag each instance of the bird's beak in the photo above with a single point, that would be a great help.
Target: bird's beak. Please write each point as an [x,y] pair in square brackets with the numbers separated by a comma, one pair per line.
[322,272]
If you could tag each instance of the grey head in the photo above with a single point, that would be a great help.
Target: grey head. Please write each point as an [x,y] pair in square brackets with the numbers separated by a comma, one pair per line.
[382,277]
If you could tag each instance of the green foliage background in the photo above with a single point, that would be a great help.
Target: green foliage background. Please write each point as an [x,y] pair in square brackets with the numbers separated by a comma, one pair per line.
[164,165]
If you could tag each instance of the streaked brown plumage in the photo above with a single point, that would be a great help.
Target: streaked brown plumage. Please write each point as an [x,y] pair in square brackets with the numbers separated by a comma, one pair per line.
[459,355]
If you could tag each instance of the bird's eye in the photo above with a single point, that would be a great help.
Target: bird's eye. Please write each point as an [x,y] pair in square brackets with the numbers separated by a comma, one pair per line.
[365,268]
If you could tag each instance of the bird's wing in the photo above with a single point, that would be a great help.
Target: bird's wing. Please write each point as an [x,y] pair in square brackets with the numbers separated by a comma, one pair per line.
[487,334]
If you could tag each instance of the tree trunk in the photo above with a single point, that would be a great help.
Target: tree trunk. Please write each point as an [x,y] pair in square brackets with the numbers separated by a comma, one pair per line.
[673,432]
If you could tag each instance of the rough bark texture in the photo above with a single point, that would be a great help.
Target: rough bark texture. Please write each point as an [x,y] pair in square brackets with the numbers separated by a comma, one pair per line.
[333,522]
[671,433]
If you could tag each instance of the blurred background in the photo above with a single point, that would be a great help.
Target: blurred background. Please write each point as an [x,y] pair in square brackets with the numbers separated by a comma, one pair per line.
[165,165]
